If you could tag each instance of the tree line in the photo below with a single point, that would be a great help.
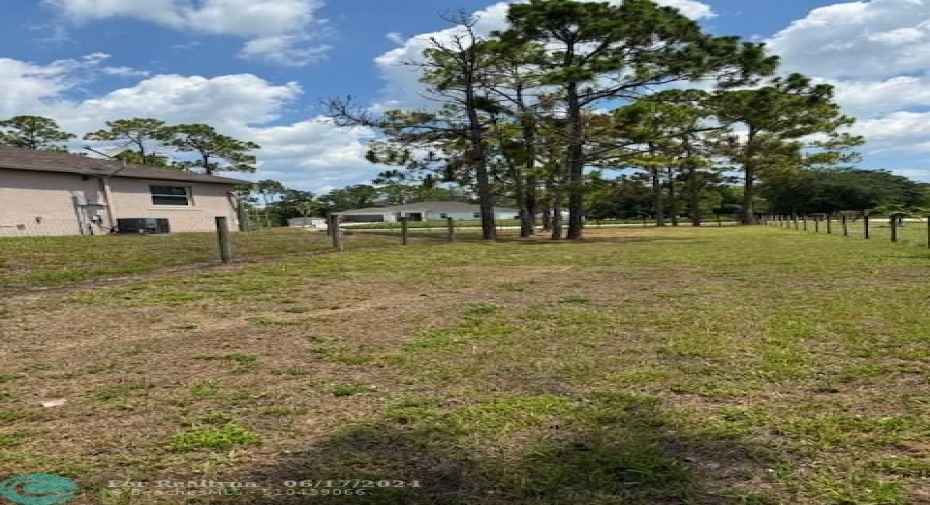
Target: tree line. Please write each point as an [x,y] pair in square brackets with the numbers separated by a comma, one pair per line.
[629,197]
[145,141]
[815,191]
[538,111]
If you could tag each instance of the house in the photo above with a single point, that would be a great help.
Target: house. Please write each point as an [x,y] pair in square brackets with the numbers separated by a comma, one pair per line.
[423,211]
[307,222]
[54,193]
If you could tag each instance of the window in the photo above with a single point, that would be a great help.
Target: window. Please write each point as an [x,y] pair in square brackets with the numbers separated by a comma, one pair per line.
[477,215]
[171,195]
[443,215]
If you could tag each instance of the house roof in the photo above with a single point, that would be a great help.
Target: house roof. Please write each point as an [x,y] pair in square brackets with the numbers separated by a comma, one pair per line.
[18,158]
[450,207]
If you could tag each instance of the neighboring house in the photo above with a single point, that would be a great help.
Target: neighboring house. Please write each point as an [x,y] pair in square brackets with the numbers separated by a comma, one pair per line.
[423,211]
[52,193]
[307,222]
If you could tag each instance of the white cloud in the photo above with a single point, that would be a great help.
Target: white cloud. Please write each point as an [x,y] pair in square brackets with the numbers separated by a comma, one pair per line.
[315,154]
[311,154]
[402,88]
[917,174]
[691,8]
[125,72]
[869,99]
[278,31]
[877,55]
[25,85]
[897,133]
[877,39]
[229,101]
[286,50]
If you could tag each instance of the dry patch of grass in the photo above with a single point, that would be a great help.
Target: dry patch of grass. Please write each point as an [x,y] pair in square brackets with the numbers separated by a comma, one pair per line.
[717,366]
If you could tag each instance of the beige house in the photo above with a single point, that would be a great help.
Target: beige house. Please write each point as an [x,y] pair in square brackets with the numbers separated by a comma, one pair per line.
[423,211]
[52,193]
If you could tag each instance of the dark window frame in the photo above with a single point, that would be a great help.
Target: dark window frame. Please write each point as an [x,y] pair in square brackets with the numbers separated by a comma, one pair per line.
[167,195]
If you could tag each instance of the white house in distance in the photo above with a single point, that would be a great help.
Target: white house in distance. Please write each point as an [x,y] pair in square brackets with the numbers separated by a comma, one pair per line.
[53,193]
[423,211]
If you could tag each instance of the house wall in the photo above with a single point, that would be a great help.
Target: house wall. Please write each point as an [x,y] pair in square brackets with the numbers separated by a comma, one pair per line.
[131,198]
[467,216]
[42,204]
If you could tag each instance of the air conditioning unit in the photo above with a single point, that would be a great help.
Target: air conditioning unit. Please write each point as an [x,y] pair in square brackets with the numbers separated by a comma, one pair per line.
[143,225]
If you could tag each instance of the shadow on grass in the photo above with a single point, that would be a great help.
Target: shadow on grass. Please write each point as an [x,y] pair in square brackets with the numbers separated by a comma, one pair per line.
[608,449]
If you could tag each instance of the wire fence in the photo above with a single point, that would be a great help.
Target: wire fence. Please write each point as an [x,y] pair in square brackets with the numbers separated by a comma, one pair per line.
[895,228]
[56,253]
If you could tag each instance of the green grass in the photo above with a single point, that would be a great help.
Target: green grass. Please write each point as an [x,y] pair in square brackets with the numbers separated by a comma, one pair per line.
[212,437]
[55,261]
[351,389]
[30,262]
[244,363]
[913,233]
[650,367]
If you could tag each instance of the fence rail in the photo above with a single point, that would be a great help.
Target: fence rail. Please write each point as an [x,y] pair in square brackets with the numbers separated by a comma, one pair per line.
[894,228]
[55,254]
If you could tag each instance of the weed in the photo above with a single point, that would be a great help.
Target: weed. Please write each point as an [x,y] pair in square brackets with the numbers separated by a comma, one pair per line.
[296,310]
[481,309]
[205,388]
[14,438]
[581,299]
[292,371]
[107,368]
[351,389]
[120,391]
[212,437]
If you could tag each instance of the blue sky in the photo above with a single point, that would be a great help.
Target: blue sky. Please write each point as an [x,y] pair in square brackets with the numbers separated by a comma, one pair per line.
[256,69]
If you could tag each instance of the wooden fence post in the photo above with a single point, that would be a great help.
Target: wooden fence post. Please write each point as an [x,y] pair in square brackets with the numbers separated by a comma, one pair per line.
[804,219]
[794,217]
[829,224]
[404,231]
[450,223]
[816,224]
[222,235]
[845,226]
[865,223]
[894,228]
[335,231]
[928,231]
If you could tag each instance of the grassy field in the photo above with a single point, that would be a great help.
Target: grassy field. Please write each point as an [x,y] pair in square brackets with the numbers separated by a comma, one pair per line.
[643,367]
[55,261]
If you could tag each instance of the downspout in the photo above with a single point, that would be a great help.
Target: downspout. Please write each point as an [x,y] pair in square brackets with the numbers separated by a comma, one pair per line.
[108,200]
[238,210]
[105,187]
